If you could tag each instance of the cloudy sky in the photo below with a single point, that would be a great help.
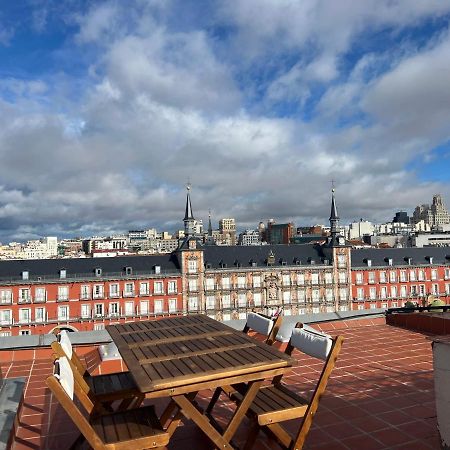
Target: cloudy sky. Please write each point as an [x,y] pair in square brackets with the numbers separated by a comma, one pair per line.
[107,108]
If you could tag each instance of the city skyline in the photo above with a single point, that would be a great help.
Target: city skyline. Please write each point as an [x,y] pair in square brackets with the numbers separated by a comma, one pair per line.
[108,109]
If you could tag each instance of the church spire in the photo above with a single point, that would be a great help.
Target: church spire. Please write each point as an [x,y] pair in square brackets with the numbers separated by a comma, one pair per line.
[334,221]
[210,231]
[189,221]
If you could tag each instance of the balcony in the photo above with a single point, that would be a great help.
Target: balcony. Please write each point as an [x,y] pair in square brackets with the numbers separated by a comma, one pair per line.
[24,300]
[128,294]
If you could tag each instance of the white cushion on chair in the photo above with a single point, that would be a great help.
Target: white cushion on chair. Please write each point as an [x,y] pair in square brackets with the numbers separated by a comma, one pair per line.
[65,343]
[65,376]
[312,343]
[259,323]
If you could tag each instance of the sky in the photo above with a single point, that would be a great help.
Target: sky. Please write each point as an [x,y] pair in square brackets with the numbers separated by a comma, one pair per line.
[108,109]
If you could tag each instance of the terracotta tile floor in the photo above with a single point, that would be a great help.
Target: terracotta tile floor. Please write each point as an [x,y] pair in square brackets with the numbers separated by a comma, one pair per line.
[380,396]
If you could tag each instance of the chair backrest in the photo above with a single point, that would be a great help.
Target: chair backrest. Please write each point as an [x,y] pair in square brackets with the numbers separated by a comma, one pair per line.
[63,339]
[63,386]
[265,325]
[321,346]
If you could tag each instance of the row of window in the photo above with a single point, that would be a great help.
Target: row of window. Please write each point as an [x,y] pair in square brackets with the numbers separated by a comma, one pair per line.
[88,292]
[243,302]
[88,311]
[393,276]
[405,291]
[256,281]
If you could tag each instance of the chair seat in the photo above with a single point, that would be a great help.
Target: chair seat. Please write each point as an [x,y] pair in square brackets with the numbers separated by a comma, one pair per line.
[275,403]
[140,425]
[114,385]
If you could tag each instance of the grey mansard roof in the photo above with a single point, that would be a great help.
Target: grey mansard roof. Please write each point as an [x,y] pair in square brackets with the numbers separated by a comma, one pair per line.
[419,256]
[50,268]
[216,257]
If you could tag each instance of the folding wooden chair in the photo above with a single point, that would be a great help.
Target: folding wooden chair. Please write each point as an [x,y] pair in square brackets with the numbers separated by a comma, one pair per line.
[101,389]
[277,403]
[262,324]
[137,428]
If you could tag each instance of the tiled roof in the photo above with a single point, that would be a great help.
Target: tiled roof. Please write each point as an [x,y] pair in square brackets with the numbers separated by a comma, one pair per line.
[244,256]
[380,396]
[380,256]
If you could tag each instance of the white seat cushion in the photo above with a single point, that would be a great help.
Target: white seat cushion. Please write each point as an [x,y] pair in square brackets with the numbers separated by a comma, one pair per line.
[65,343]
[65,376]
[259,323]
[312,343]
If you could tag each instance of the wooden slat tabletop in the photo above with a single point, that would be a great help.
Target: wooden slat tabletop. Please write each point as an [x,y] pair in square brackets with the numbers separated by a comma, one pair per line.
[172,352]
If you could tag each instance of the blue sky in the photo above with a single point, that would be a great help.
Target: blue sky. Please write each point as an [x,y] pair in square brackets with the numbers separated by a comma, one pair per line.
[108,107]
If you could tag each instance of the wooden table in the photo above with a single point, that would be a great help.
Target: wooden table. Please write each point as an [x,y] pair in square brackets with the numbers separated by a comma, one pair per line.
[176,357]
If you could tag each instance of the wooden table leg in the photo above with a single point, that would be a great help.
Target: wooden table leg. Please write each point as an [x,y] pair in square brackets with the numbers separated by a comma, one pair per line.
[190,411]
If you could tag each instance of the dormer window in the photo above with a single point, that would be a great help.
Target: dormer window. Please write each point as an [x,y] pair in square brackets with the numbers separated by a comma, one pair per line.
[63,273]
[430,259]
[98,272]
[389,261]
[368,262]
[157,269]
[25,275]
[128,270]
[408,260]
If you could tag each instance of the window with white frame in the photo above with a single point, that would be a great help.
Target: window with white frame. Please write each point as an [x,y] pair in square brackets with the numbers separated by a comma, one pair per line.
[315,295]
[403,276]
[371,277]
[85,292]
[172,305]
[359,278]
[129,308]
[39,295]
[316,309]
[372,293]
[226,301]
[413,290]
[421,290]
[242,300]
[172,287]
[241,282]
[144,288]
[114,290]
[394,304]
[434,274]
[5,333]
[209,284]
[193,285]
[192,266]
[343,308]
[24,332]
[435,289]
[447,288]
[393,291]
[384,305]
[301,278]
[342,277]
[393,276]
[329,294]
[360,293]
[328,277]
[361,307]
[373,306]
[341,261]
[158,287]
[99,310]
[63,313]
[39,314]
[256,281]
[158,306]
[226,282]
[330,309]
[85,311]
[143,307]
[382,277]
[63,293]
[99,291]
[99,326]
[315,278]
[286,279]
[421,275]
[193,303]
[301,295]
[113,309]
[403,292]
[383,291]
[343,294]
[5,317]
[5,296]
[412,275]
[24,295]
[24,315]
[286,297]
[257,298]
[128,290]
[447,274]
[210,302]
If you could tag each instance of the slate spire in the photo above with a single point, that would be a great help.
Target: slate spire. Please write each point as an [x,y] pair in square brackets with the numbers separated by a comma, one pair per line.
[334,221]
[189,221]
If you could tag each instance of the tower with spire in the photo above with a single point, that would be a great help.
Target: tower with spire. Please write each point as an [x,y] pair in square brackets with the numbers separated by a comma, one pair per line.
[189,221]
[334,223]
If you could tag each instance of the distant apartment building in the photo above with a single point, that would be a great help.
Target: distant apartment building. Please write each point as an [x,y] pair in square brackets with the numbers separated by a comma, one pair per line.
[357,230]
[249,237]
[227,231]
[280,233]
[435,215]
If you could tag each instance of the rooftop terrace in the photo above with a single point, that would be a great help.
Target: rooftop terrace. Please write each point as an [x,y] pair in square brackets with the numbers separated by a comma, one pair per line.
[380,395]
